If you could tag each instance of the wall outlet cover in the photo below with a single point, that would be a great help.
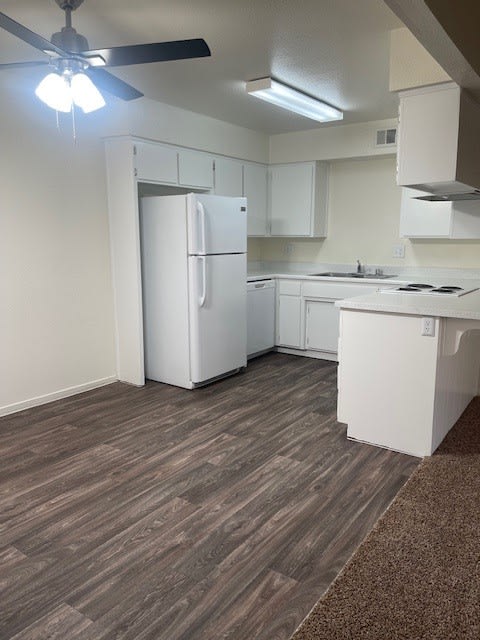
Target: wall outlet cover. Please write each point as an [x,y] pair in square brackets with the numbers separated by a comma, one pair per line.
[428,326]
[398,251]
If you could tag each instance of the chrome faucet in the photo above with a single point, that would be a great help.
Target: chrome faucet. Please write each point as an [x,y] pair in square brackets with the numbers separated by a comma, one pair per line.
[360,267]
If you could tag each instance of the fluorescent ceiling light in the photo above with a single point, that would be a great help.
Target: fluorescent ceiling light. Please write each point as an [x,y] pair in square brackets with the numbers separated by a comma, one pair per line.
[292,100]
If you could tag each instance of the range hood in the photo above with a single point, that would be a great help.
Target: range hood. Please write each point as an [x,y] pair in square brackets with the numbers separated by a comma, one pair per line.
[438,143]
[451,197]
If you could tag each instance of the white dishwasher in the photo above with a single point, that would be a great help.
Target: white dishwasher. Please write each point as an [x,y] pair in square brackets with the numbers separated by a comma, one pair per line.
[260,316]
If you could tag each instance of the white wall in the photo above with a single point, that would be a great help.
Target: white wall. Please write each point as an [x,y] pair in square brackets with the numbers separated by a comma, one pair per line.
[56,320]
[157,121]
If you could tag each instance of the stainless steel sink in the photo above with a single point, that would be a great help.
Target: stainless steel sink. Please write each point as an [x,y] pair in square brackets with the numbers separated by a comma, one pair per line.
[342,274]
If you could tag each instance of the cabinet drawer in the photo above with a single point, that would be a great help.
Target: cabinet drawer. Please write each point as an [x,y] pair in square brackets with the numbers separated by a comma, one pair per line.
[290,287]
[336,291]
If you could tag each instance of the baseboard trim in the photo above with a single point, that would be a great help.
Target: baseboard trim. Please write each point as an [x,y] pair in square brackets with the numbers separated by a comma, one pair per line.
[309,353]
[56,395]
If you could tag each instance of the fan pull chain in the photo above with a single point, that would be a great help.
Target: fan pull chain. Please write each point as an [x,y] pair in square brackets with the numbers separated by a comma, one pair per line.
[74,130]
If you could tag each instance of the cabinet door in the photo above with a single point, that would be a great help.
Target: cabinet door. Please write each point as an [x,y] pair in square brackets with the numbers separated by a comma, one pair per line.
[428,136]
[322,325]
[228,177]
[291,199]
[289,321]
[195,169]
[423,219]
[255,190]
[155,163]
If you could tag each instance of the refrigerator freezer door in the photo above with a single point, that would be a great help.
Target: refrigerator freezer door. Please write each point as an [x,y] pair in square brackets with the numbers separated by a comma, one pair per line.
[216,224]
[218,315]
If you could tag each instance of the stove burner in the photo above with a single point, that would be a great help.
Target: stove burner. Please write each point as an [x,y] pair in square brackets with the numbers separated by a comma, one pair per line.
[442,290]
[421,286]
[449,288]
[409,288]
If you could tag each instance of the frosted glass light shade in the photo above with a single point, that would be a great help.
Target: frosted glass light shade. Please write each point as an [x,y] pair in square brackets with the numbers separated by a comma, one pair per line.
[85,94]
[54,91]
[283,96]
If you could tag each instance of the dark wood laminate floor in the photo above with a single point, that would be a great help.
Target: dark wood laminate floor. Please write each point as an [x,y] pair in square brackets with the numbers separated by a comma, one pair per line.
[160,513]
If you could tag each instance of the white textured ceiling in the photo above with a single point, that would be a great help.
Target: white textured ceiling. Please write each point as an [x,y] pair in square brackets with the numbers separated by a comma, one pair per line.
[336,50]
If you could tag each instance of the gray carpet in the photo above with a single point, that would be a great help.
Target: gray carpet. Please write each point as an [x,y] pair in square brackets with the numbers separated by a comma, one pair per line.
[417,574]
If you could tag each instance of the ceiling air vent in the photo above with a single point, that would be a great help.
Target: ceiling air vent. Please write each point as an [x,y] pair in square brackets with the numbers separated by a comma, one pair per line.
[386,138]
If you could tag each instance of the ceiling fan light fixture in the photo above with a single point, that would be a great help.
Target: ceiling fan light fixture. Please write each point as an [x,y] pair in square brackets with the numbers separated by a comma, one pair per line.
[54,91]
[85,94]
[284,96]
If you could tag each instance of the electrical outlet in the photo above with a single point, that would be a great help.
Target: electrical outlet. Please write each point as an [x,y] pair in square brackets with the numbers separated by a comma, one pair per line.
[288,248]
[398,251]
[428,326]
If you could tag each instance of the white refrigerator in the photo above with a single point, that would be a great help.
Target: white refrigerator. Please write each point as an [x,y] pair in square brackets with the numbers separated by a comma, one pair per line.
[193,251]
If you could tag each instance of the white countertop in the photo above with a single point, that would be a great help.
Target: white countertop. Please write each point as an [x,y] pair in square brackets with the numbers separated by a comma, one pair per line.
[262,274]
[464,307]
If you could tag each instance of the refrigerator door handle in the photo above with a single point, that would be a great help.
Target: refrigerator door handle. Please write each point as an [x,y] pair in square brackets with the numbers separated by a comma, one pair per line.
[203,296]
[201,213]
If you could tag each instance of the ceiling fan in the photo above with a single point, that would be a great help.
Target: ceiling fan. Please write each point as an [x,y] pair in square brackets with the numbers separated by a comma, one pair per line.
[77,72]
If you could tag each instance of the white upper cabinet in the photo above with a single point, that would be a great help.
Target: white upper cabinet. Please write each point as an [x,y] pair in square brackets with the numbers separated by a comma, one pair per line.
[228,177]
[195,169]
[438,150]
[298,197]
[255,190]
[424,219]
[155,163]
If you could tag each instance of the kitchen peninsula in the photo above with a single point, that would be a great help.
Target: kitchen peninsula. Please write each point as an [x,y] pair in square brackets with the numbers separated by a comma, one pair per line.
[408,367]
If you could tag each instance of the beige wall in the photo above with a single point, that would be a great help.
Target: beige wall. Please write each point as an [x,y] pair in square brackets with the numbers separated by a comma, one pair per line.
[364,211]
[410,63]
[56,295]
[330,142]
[56,320]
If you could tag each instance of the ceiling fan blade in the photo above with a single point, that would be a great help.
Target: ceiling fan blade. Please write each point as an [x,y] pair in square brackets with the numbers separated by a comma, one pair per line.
[23,65]
[155,52]
[17,29]
[105,81]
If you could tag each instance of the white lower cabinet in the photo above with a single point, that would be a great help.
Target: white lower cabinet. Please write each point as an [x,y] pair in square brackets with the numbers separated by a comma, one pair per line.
[321,325]
[307,318]
[289,314]
[289,328]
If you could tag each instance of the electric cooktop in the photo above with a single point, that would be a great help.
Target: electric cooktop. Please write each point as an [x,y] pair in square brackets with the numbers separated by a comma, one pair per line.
[420,288]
